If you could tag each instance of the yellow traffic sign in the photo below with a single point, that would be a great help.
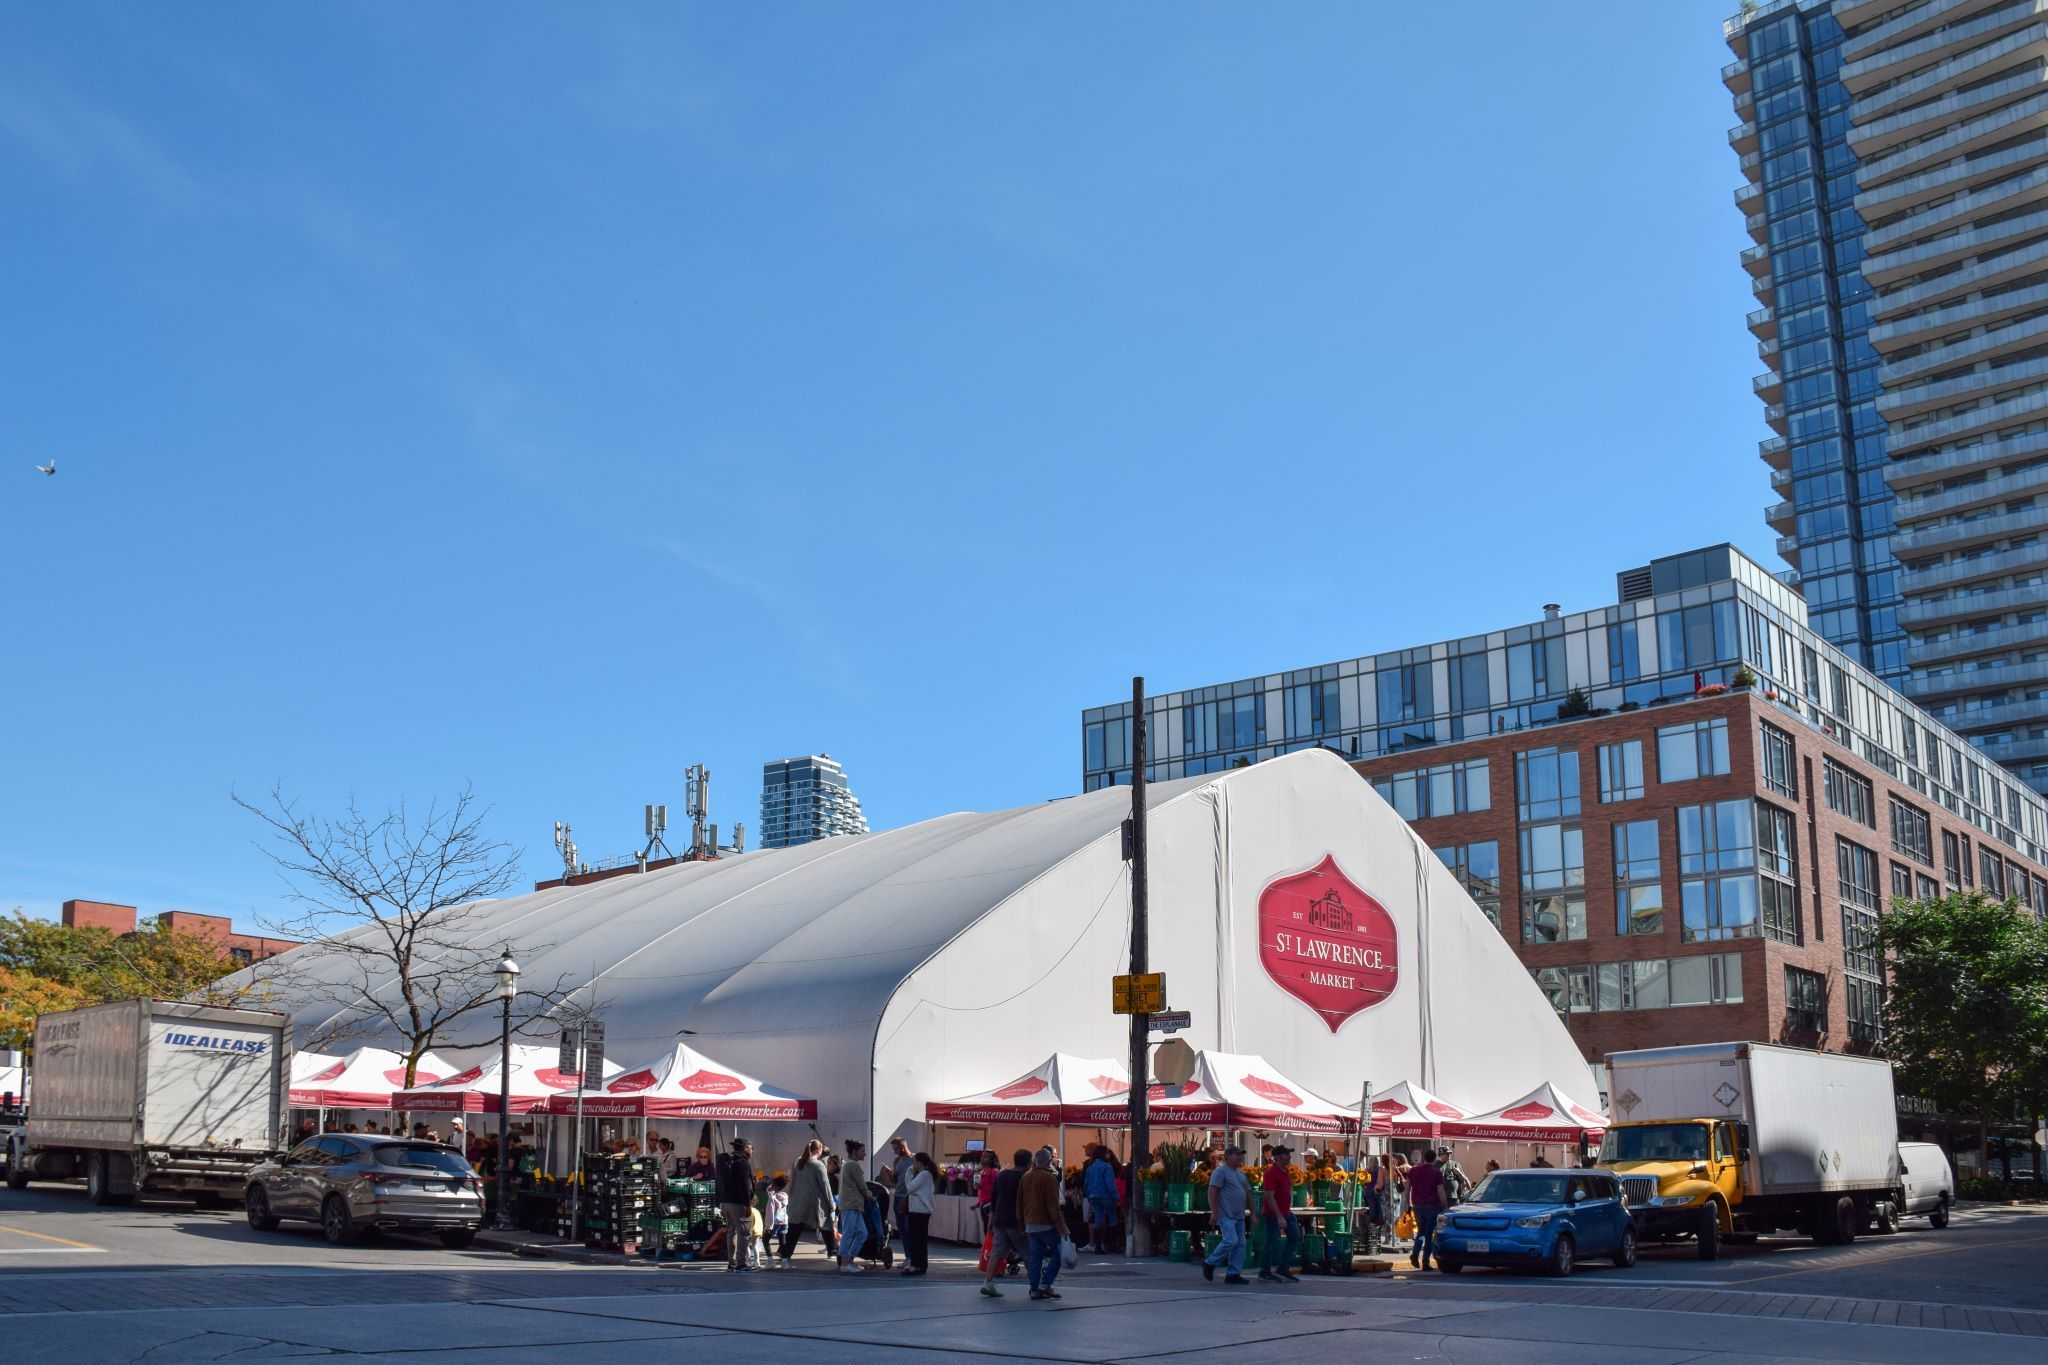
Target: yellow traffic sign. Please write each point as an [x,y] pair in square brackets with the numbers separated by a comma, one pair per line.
[1144,993]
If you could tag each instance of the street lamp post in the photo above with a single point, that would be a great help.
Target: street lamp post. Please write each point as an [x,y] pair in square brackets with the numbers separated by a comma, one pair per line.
[508,987]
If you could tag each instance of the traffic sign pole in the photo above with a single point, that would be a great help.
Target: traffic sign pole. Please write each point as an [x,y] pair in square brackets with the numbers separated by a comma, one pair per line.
[1141,1023]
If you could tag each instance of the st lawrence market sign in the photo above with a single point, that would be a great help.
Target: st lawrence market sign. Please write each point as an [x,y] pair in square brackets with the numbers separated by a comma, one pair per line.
[1327,943]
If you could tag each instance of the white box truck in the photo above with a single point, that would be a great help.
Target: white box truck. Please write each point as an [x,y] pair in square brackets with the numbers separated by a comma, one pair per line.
[1736,1139]
[151,1095]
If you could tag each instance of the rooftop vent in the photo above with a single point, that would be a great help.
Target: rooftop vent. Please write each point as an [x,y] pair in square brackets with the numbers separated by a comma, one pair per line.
[1551,611]
[1633,585]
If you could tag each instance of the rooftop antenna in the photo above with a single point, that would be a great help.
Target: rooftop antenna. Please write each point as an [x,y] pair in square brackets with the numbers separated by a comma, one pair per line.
[697,800]
[657,825]
[565,846]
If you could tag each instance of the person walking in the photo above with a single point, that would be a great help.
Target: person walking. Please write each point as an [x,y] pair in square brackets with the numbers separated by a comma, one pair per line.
[1007,1244]
[853,1203]
[1426,1199]
[985,1188]
[1277,1204]
[1456,1183]
[1371,1181]
[736,1202]
[810,1199]
[1099,1187]
[1229,1198]
[1038,1208]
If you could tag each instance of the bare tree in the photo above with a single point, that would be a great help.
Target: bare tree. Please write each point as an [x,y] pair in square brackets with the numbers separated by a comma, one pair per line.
[390,912]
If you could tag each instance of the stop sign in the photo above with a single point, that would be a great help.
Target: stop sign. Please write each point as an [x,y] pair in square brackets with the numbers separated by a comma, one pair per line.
[1173,1062]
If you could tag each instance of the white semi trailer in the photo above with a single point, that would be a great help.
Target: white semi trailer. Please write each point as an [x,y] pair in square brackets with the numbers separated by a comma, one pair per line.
[154,1096]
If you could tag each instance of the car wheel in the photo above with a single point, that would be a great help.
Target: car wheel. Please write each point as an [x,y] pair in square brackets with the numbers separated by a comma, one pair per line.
[455,1239]
[257,1205]
[1563,1256]
[1625,1254]
[335,1221]
[1936,1220]
[1708,1237]
[1448,1266]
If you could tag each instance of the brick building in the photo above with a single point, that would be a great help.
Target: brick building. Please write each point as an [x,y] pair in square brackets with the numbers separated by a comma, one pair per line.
[1701,870]
[121,919]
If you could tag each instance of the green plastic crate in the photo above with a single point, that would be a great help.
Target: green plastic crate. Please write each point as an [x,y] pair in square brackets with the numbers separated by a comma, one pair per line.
[1177,1244]
[1312,1248]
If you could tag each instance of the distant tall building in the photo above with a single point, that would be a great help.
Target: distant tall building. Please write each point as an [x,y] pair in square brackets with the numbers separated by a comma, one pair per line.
[807,798]
[1896,158]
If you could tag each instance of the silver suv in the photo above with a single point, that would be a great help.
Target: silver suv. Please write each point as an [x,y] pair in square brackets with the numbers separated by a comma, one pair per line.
[351,1182]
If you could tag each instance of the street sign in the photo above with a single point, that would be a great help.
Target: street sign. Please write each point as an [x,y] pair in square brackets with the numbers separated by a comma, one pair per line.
[569,1060]
[1173,1062]
[1172,1021]
[1141,994]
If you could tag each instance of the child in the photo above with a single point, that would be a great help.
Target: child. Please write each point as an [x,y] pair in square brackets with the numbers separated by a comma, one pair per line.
[778,1209]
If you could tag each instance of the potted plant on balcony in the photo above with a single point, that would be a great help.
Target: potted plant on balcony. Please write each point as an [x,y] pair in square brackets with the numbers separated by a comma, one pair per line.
[1744,678]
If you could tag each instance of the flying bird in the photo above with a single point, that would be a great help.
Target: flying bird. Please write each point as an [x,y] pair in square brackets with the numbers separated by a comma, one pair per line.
[49,468]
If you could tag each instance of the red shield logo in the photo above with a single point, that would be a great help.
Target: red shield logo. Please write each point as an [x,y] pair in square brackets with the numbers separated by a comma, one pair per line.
[1444,1111]
[1531,1112]
[632,1083]
[1588,1117]
[1017,1090]
[1109,1085]
[396,1076]
[553,1078]
[1271,1090]
[711,1083]
[465,1077]
[1388,1107]
[1327,943]
[331,1072]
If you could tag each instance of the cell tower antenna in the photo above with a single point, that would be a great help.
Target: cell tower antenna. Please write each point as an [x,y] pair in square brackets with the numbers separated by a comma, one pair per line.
[566,846]
[697,799]
[657,825]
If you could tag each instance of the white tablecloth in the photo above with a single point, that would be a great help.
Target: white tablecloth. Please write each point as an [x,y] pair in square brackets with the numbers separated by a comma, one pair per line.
[955,1220]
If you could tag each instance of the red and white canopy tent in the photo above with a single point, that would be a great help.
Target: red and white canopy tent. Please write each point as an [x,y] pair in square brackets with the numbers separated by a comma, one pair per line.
[1412,1112]
[535,1079]
[1234,1090]
[364,1079]
[1058,1088]
[684,1083]
[1545,1114]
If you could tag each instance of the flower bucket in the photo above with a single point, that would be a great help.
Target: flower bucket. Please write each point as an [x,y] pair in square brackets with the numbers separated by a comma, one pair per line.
[1177,1244]
[1319,1192]
[1178,1197]
[1151,1196]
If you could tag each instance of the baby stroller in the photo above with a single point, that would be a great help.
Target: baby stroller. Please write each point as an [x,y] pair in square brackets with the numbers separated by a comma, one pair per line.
[876,1250]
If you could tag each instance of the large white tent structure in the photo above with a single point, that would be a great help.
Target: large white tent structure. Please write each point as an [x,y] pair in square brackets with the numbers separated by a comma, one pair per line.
[1293,913]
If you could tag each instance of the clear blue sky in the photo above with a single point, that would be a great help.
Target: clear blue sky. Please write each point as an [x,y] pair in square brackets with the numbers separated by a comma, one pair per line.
[550,396]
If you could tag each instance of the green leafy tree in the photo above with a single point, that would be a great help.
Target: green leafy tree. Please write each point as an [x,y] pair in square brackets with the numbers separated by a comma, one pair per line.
[46,966]
[1966,1004]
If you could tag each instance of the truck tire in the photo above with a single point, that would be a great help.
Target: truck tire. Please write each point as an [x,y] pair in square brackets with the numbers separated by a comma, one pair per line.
[340,1229]
[1936,1220]
[99,1185]
[1709,1235]
[1884,1217]
[17,1169]
[1836,1221]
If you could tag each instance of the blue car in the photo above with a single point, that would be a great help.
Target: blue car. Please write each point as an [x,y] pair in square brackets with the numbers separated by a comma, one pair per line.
[1543,1217]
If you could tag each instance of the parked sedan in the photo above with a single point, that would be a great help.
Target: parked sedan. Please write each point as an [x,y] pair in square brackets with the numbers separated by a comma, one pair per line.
[351,1182]
[1542,1217]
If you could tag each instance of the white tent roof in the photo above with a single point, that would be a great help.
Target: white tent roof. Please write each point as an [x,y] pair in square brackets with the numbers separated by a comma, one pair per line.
[1235,1090]
[683,1083]
[1294,915]
[1412,1111]
[11,1082]
[477,1089]
[364,1079]
[1047,1094]
[1545,1114]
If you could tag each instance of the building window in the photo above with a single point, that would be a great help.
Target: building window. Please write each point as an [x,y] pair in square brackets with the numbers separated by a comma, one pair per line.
[1849,794]
[1864,999]
[241,957]
[1448,789]
[1638,879]
[1546,784]
[1688,751]
[1951,860]
[1477,868]
[1553,884]
[1912,835]
[1902,882]
[1717,888]
[1806,1005]
[1862,993]
[1778,875]
[1644,984]
[1621,771]
[1777,761]
[1990,872]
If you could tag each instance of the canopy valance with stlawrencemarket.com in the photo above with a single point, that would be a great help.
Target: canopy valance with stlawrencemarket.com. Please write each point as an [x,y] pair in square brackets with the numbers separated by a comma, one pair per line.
[1296,918]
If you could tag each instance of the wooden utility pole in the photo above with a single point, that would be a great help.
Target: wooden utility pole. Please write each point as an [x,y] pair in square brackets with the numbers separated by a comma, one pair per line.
[1141,1024]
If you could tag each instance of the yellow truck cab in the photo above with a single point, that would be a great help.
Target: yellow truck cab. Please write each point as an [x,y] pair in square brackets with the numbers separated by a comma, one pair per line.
[1725,1140]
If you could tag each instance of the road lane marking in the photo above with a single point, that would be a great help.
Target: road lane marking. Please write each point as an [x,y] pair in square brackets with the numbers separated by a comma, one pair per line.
[46,1237]
[52,1251]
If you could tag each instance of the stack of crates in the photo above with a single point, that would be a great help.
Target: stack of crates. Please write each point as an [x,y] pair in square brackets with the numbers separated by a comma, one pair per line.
[618,1192]
[682,1221]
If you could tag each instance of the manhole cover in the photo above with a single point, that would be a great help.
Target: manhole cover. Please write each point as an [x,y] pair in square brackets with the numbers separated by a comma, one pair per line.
[1317,1313]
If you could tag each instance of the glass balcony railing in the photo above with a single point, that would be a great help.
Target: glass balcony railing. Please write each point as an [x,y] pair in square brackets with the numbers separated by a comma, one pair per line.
[1882,132]
[2020,484]
[1994,565]
[1901,474]
[1961,208]
[1956,70]
[1976,312]
[1924,538]
[1781,478]
[2006,122]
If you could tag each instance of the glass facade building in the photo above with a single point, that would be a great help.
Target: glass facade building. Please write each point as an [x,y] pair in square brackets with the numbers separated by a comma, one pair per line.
[805,799]
[1896,157]
[1680,623]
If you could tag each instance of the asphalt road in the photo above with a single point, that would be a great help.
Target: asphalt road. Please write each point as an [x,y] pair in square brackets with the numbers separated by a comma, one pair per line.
[166,1283]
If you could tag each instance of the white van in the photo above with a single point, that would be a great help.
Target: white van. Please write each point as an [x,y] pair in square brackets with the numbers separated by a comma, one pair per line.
[1926,1182]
